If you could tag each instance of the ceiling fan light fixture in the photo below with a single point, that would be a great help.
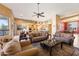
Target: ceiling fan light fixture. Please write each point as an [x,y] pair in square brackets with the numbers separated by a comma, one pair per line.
[39,14]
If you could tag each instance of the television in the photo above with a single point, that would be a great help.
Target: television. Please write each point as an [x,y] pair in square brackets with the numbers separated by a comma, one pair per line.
[4,25]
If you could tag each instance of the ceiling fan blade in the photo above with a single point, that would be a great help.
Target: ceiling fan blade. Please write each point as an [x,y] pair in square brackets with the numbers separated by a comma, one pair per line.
[41,15]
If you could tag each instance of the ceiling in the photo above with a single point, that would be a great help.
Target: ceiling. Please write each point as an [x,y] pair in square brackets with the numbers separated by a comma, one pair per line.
[25,10]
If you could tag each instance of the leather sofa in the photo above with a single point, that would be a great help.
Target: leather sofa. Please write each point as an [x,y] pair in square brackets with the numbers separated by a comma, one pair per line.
[26,49]
[65,37]
[5,38]
[38,36]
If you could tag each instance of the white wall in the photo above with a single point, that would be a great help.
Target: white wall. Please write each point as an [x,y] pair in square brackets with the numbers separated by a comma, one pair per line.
[53,24]
[76,41]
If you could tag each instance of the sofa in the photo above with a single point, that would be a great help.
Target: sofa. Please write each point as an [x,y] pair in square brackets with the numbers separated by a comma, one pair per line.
[19,48]
[5,38]
[38,36]
[67,38]
[28,49]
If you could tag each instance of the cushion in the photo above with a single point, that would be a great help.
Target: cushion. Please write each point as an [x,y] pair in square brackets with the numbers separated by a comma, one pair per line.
[24,43]
[29,52]
[57,34]
[7,38]
[16,38]
[27,47]
[62,34]
[12,47]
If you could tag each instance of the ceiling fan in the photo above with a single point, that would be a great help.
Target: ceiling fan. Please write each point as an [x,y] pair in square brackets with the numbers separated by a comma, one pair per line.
[38,14]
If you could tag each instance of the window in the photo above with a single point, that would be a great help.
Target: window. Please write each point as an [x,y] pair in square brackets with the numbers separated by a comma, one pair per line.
[72,26]
[4,25]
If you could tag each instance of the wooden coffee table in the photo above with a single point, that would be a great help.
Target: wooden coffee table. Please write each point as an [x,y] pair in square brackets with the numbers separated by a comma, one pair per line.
[49,44]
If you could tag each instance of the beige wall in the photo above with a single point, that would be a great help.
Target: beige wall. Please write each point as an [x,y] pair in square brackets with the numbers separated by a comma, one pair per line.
[7,12]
